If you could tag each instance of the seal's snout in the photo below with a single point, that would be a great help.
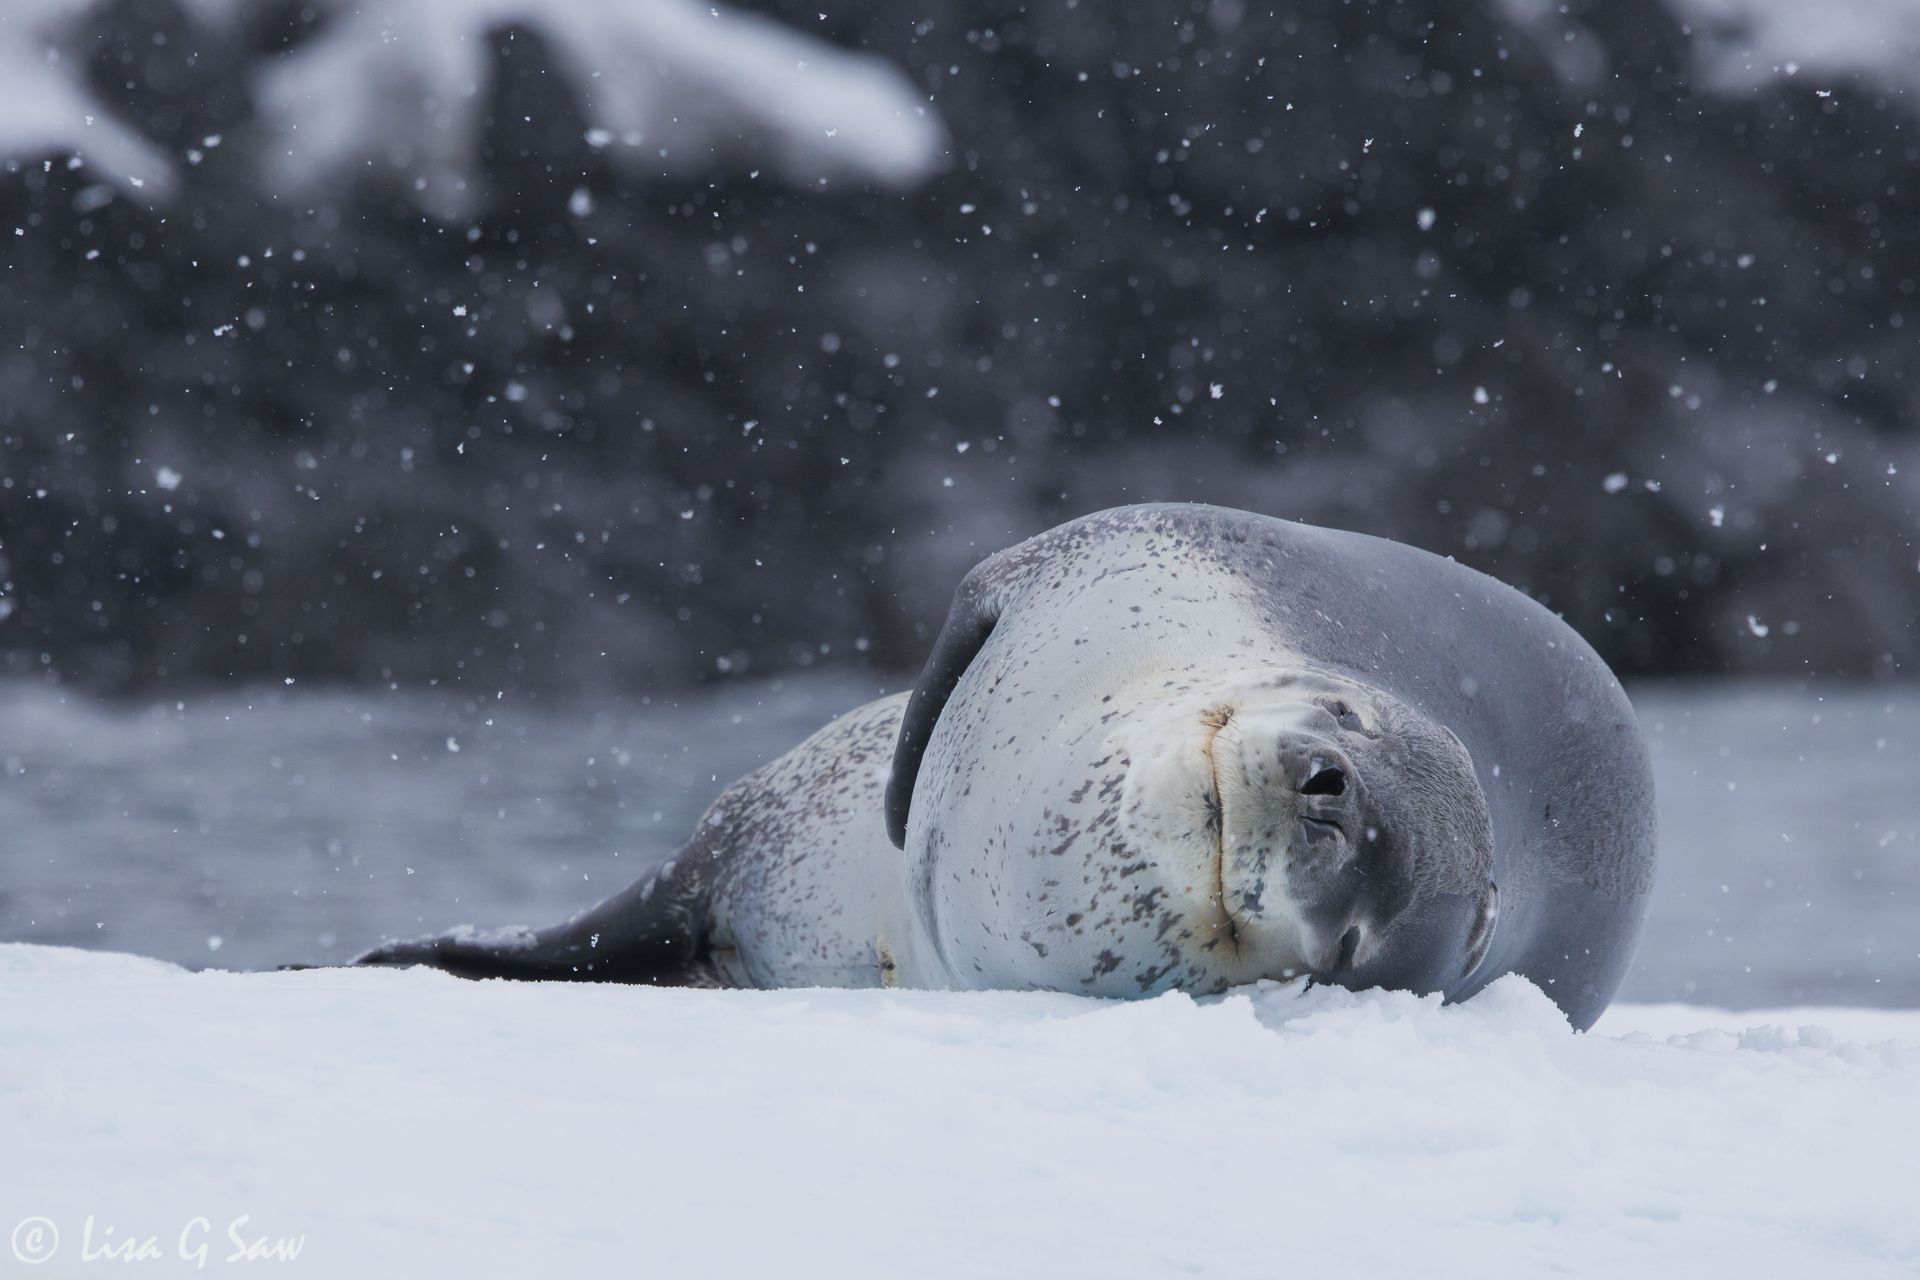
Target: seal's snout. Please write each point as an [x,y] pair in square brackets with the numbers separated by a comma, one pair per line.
[1257,811]
[1290,800]
[1286,771]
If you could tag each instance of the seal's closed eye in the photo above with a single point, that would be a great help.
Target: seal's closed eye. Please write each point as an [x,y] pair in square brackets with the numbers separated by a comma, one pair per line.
[1345,716]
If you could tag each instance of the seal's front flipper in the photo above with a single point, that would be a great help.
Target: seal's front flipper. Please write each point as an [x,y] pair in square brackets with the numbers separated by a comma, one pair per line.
[654,932]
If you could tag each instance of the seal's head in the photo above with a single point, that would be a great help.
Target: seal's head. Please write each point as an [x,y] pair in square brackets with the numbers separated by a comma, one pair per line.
[1123,818]
[1180,747]
[1344,834]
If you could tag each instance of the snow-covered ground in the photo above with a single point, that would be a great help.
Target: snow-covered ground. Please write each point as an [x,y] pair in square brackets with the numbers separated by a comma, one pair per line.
[408,1124]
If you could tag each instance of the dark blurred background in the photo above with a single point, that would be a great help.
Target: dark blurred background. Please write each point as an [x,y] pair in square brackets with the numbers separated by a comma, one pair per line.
[466,361]
[387,371]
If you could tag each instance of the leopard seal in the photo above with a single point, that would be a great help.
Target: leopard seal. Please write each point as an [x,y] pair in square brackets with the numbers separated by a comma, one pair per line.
[1171,747]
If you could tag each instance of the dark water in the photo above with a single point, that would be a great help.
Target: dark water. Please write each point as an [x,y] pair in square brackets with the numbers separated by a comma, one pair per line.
[1790,845]
[249,830]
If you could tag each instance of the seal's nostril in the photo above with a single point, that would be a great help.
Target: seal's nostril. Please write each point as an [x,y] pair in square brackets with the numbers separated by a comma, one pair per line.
[1325,782]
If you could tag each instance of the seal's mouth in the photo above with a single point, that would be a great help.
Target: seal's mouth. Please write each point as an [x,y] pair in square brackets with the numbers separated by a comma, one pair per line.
[1217,719]
[1349,943]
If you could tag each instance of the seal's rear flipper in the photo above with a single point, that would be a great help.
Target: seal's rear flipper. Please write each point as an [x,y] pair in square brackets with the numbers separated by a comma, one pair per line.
[653,932]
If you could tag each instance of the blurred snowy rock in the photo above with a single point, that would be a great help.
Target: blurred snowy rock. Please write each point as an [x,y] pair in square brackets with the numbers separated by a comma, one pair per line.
[1739,44]
[669,84]
[49,110]
[1745,42]
[400,86]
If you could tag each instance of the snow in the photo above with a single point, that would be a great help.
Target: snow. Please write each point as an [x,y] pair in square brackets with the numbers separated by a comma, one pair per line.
[408,1123]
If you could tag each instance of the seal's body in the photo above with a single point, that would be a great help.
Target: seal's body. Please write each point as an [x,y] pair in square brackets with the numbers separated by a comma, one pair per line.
[1172,747]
